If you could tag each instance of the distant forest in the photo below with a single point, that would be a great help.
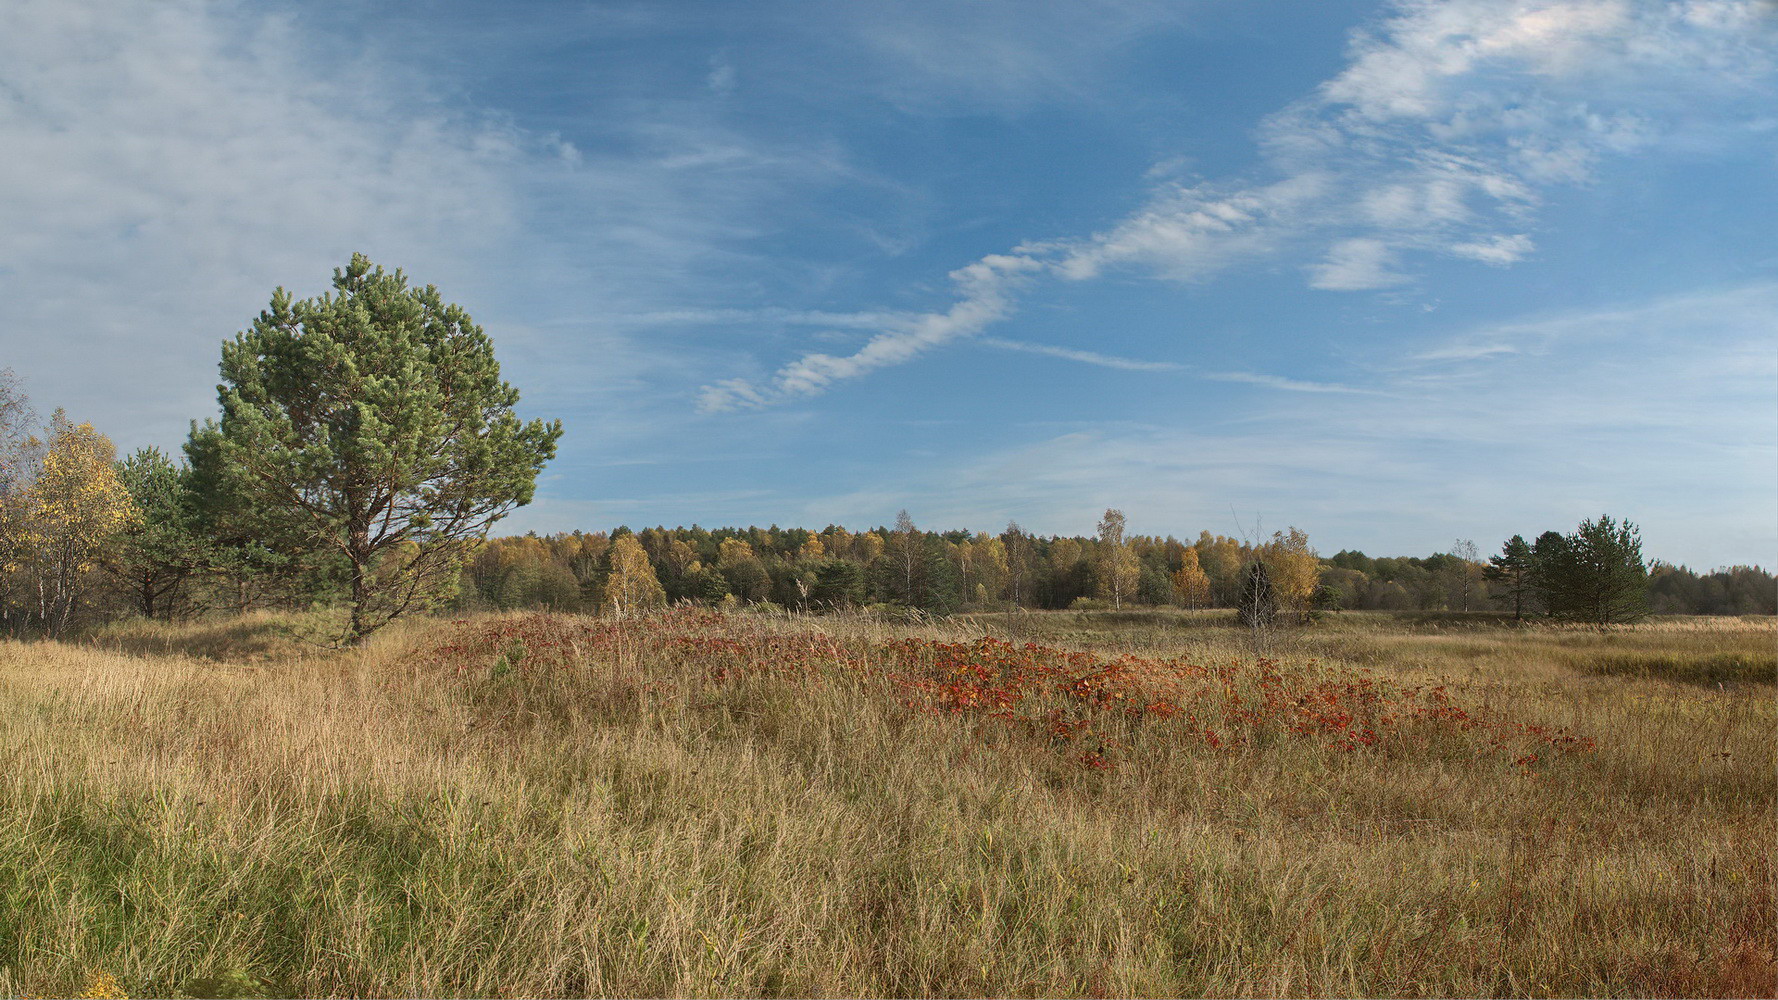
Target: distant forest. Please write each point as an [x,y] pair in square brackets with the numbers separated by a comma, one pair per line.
[949,571]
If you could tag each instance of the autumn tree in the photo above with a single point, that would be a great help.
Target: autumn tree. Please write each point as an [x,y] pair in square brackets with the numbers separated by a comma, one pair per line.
[1466,571]
[905,548]
[1118,566]
[372,423]
[1020,563]
[741,566]
[56,521]
[631,585]
[870,547]
[1190,583]
[1222,560]
[1293,568]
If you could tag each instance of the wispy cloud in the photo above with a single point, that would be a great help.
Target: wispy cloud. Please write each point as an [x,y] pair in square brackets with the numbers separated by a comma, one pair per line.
[1439,137]
[985,290]
[1715,313]
[1288,384]
[1084,357]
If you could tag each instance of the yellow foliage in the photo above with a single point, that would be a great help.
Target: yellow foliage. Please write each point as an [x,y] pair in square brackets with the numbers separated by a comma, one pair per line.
[103,986]
[870,546]
[1295,567]
[1190,581]
[632,585]
[75,502]
[733,552]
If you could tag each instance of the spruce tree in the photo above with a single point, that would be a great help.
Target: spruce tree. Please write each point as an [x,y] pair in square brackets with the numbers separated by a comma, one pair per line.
[372,423]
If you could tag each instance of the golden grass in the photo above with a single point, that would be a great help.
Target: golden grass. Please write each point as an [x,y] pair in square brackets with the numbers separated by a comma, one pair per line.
[605,814]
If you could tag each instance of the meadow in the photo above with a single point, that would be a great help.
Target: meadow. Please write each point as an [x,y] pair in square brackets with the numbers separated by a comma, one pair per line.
[692,803]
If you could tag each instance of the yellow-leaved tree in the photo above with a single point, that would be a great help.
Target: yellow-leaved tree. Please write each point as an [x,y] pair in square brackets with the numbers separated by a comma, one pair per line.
[631,585]
[56,523]
[1119,569]
[1190,583]
[1295,568]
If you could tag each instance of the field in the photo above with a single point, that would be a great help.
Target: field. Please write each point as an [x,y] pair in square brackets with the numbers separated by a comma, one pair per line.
[694,804]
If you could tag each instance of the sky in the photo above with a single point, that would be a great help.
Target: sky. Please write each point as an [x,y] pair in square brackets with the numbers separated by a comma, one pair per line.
[1395,273]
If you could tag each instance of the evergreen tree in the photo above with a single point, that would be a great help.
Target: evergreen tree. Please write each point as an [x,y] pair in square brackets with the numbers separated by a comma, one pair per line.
[839,583]
[372,422]
[709,586]
[1610,579]
[152,560]
[1512,567]
[1553,574]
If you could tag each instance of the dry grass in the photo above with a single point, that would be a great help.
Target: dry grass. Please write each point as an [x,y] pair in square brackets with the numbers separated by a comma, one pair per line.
[532,806]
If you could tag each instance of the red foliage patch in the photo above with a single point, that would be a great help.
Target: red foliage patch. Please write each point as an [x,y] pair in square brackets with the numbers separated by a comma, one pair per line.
[1066,697]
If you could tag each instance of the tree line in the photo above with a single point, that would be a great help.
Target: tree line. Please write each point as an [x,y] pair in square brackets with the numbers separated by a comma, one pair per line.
[366,446]
[951,571]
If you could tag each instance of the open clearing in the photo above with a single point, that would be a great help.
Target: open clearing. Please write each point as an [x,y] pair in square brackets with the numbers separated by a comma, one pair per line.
[1079,804]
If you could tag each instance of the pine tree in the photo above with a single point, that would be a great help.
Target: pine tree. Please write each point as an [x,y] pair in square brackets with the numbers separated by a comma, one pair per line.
[1553,574]
[1512,567]
[1610,578]
[152,560]
[372,422]
[1594,575]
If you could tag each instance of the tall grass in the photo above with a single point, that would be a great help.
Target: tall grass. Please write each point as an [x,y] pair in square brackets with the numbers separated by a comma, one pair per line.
[754,806]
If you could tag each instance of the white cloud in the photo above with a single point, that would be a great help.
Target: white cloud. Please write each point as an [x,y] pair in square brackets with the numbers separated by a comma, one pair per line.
[1497,250]
[1084,357]
[1356,264]
[1441,136]
[167,164]
[985,294]
[1723,315]
[1287,384]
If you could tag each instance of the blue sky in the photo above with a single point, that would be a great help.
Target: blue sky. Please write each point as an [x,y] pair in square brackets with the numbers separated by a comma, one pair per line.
[1395,273]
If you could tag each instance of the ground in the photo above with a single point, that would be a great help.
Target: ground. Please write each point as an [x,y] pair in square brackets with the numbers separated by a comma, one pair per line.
[691,803]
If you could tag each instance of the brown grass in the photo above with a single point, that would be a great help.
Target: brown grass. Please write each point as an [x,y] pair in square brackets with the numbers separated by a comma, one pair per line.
[529,806]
